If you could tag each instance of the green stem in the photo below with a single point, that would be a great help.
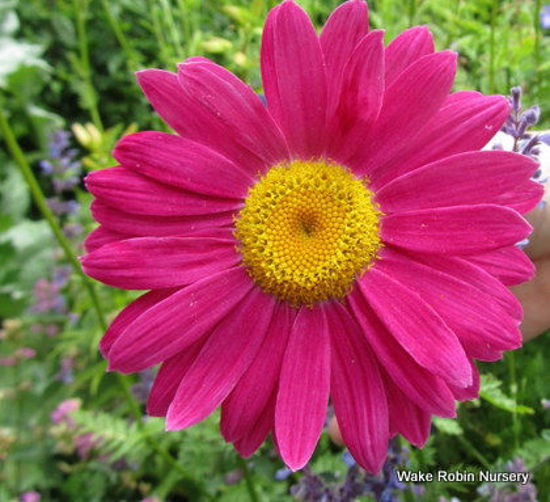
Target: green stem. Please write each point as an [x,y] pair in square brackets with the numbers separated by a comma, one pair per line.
[511,360]
[248,480]
[492,48]
[536,51]
[412,11]
[131,58]
[470,448]
[80,12]
[40,200]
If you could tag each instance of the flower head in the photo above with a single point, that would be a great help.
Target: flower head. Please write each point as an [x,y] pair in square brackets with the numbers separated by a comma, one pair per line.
[348,241]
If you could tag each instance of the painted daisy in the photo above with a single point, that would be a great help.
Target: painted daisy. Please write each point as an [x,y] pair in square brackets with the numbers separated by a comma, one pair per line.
[347,242]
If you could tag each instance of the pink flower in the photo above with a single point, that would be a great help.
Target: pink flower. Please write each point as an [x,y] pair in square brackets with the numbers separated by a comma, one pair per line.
[62,414]
[30,496]
[348,241]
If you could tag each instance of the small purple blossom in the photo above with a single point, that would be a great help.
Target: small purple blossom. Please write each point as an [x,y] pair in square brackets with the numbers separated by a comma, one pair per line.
[64,171]
[383,487]
[30,496]
[545,17]
[142,389]
[62,414]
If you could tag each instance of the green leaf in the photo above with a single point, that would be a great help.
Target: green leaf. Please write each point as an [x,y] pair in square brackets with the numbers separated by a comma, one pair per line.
[492,393]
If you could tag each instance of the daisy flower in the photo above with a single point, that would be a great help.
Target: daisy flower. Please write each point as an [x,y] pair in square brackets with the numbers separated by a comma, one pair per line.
[348,241]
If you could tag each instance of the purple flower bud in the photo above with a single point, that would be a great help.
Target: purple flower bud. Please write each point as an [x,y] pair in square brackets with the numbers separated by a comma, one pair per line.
[531,116]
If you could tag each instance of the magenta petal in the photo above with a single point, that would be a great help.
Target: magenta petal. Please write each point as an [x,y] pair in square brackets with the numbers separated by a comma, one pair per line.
[523,198]
[406,418]
[405,49]
[129,314]
[509,265]
[410,101]
[357,391]
[344,28]
[427,390]
[163,91]
[242,409]
[168,379]
[225,356]
[303,388]
[182,163]
[463,179]
[479,278]
[255,436]
[178,321]
[476,316]
[466,122]
[138,194]
[160,262]
[470,392]
[147,225]
[227,115]
[294,79]
[416,326]
[101,236]
[455,230]
[361,98]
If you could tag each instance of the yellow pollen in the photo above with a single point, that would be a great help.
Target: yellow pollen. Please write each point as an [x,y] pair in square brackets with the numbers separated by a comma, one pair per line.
[307,230]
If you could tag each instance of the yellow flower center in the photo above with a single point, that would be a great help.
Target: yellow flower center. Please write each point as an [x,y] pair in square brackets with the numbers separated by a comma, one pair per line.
[307,229]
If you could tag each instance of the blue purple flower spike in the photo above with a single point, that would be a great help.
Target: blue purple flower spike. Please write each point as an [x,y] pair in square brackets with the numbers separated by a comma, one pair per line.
[384,487]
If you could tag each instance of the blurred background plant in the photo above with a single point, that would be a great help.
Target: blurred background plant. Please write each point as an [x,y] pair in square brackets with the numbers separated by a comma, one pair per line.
[68,430]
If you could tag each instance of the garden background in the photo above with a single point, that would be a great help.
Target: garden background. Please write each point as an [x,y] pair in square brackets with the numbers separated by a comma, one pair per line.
[71,431]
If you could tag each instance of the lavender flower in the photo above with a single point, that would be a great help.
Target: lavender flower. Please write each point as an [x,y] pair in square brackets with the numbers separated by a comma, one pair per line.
[64,170]
[517,125]
[383,487]
[545,17]
[510,493]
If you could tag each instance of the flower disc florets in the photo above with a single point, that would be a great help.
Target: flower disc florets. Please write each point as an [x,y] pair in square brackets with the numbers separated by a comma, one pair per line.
[307,230]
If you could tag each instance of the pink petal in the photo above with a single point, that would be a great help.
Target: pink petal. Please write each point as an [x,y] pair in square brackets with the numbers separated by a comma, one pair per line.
[344,28]
[476,316]
[479,278]
[254,437]
[416,326]
[509,265]
[241,410]
[160,262]
[146,225]
[470,392]
[405,49]
[357,391]
[406,418]
[524,198]
[410,101]
[182,163]
[163,91]
[224,358]
[466,122]
[101,236]
[178,321]
[428,391]
[463,179]
[129,314]
[303,388]
[294,79]
[361,98]
[137,194]
[168,378]
[455,230]
[227,115]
